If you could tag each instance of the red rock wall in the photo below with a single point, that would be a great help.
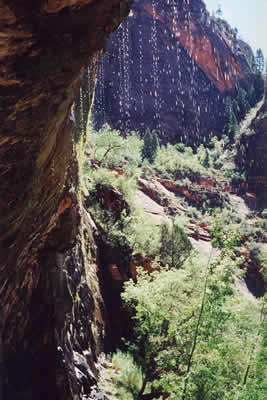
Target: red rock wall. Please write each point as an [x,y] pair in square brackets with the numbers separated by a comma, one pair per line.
[50,321]
[170,67]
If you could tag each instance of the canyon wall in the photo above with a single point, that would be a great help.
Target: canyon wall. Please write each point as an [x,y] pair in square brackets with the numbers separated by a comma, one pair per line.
[51,312]
[170,67]
[251,155]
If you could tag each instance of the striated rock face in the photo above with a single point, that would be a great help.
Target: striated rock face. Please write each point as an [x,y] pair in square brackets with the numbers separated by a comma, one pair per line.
[51,323]
[170,67]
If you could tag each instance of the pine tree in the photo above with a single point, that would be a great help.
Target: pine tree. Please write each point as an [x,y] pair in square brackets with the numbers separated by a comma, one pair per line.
[175,246]
[219,11]
[258,86]
[243,104]
[154,144]
[150,146]
[259,60]
[231,127]
[206,161]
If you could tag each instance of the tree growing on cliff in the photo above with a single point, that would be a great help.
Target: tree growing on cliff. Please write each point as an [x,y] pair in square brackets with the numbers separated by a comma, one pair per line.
[243,103]
[203,156]
[150,147]
[175,247]
[259,59]
[219,12]
[186,347]
[258,87]
[231,127]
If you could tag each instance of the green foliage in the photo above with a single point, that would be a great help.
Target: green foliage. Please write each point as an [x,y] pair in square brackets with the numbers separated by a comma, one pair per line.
[172,327]
[243,103]
[190,330]
[175,247]
[255,253]
[128,376]
[132,234]
[150,146]
[162,309]
[180,147]
[203,156]
[231,128]
[258,88]
[259,59]
[254,384]
[111,150]
[177,165]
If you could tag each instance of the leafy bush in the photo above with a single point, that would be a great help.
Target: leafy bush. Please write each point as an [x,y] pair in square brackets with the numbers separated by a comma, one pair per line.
[112,150]
[176,165]
[172,327]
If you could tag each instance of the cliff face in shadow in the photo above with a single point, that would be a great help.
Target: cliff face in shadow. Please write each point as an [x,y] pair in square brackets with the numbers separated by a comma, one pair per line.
[170,67]
[252,155]
[50,310]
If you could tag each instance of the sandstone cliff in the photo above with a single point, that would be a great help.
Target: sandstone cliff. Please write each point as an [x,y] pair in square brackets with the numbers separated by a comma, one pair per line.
[47,50]
[170,67]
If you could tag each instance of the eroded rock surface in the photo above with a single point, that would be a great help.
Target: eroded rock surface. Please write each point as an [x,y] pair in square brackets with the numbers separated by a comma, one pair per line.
[51,321]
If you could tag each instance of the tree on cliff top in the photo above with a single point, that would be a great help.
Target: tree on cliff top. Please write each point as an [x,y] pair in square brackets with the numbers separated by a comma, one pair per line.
[259,60]
[219,12]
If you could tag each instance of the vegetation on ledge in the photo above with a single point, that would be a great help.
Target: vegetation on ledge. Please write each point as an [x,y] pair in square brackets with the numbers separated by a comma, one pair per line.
[191,324]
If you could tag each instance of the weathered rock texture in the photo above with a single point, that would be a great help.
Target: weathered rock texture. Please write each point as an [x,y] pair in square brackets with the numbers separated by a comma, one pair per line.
[50,308]
[170,67]
[252,156]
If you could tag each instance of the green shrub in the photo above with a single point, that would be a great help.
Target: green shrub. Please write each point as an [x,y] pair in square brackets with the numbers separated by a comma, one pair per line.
[171,163]
[128,377]
[175,247]
[255,252]
[180,147]
[150,146]
[110,149]
[167,306]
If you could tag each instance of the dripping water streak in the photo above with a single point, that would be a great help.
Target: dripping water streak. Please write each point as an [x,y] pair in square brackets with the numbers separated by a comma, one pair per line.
[155,58]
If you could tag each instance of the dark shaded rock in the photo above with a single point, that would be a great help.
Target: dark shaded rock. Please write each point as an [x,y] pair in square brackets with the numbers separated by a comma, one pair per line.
[252,158]
[111,199]
[254,279]
[48,49]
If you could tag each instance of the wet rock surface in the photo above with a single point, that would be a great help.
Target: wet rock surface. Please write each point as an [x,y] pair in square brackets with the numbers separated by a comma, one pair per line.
[51,323]
[170,67]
